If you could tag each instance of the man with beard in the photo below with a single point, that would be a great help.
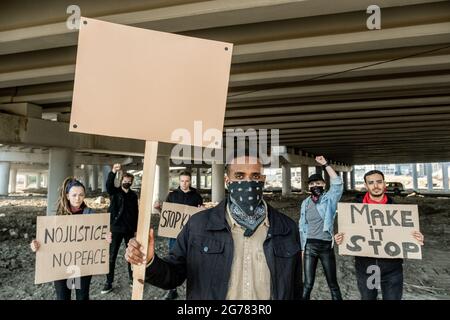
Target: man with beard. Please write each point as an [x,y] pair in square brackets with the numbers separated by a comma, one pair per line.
[124,218]
[316,223]
[391,270]
[240,249]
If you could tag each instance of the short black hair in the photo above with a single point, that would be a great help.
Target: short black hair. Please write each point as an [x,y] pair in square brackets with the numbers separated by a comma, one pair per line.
[185,173]
[315,177]
[371,172]
[237,153]
[128,175]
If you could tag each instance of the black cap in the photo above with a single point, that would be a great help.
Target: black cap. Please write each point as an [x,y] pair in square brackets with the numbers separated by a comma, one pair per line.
[315,177]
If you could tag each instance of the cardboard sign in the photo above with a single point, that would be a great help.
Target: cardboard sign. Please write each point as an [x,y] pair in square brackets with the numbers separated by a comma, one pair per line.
[71,246]
[161,81]
[174,217]
[380,231]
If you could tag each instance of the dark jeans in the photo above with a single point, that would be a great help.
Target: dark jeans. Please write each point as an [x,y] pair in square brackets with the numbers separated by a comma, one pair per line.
[390,282]
[320,250]
[64,293]
[172,242]
[117,238]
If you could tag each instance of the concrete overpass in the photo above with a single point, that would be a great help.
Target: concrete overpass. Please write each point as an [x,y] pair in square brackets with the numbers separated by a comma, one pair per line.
[310,69]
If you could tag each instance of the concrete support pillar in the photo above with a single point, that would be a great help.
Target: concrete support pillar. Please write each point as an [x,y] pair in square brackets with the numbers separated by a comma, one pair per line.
[398,170]
[106,169]
[198,178]
[39,180]
[286,179]
[4,177]
[60,167]
[345,180]
[86,176]
[304,173]
[429,170]
[414,176]
[161,188]
[27,181]
[45,180]
[319,170]
[208,180]
[218,182]
[445,176]
[99,176]
[12,180]
[352,179]
[93,177]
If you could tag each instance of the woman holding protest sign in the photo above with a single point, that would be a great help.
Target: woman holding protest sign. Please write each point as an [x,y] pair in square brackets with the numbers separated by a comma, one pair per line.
[71,201]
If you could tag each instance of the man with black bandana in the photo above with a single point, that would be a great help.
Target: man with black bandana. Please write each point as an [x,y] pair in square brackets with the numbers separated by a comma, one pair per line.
[316,223]
[240,249]
[124,218]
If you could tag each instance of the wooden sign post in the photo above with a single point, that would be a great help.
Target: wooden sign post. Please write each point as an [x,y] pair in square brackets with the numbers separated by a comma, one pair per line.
[164,82]
[145,210]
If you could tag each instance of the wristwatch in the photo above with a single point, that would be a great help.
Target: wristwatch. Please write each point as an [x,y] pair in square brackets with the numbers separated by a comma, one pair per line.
[325,165]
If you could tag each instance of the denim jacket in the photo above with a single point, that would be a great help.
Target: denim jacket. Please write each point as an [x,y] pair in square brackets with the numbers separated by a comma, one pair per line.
[326,206]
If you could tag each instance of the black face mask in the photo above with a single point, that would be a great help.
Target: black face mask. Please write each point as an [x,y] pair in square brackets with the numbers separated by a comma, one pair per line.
[316,191]
[126,185]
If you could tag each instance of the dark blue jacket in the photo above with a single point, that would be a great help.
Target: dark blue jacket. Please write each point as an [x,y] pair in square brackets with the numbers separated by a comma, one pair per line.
[203,255]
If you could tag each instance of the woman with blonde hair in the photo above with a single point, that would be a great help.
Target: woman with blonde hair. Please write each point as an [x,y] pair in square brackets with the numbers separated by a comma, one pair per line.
[71,201]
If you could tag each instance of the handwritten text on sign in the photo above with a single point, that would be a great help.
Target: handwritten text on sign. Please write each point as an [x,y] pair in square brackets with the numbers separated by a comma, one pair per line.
[72,243]
[174,217]
[382,231]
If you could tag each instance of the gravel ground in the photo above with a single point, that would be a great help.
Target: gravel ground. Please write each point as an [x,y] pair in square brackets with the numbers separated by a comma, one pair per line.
[424,279]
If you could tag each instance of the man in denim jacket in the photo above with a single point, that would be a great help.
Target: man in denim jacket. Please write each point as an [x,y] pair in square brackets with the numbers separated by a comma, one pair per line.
[317,216]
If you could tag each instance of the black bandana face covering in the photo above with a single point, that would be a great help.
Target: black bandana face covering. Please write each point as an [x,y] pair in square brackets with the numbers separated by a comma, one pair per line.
[246,194]
[246,205]
[316,192]
[126,185]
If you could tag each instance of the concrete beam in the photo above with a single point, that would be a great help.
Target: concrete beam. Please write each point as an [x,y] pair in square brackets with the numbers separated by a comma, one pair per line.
[310,109]
[176,18]
[61,73]
[36,132]
[382,121]
[425,34]
[358,69]
[22,109]
[43,158]
[299,160]
[22,167]
[369,85]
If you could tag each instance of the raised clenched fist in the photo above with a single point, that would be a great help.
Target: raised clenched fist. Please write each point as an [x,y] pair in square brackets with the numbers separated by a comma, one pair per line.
[116,167]
[321,160]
